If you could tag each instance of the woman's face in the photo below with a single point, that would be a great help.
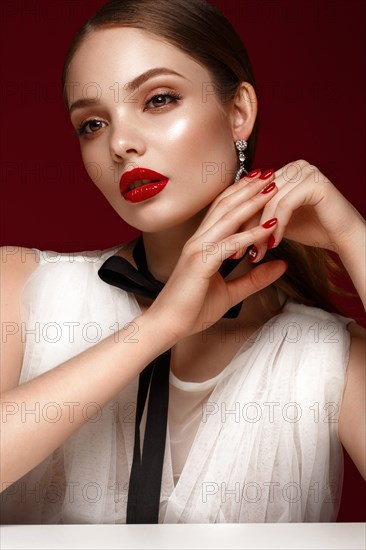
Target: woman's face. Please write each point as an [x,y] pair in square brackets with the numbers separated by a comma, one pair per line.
[169,121]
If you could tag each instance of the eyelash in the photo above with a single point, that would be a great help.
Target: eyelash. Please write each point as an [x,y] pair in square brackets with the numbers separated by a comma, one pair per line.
[81,129]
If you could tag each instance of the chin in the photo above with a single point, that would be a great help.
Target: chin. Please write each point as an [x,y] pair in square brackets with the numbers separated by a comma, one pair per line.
[158,222]
[155,226]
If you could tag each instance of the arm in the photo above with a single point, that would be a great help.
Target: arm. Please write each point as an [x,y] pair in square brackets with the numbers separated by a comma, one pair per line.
[352,254]
[352,423]
[195,290]
[96,375]
[313,212]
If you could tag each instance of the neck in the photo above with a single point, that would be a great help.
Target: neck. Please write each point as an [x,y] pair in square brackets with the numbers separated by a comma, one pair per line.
[163,248]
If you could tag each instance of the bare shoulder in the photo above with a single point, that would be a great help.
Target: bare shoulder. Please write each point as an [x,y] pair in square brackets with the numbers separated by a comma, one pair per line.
[356,330]
[18,258]
[352,421]
[16,266]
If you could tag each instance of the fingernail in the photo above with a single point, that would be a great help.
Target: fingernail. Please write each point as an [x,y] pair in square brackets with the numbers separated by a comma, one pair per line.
[268,188]
[269,223]
[271,242]
[266,174]
[253,253]
[254,173]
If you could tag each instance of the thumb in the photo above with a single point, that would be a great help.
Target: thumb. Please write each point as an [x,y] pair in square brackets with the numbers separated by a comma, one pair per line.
[258,278]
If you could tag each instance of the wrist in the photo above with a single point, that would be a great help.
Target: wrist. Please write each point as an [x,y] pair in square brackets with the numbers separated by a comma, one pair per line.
[156,330]
[353,245]
[352,255]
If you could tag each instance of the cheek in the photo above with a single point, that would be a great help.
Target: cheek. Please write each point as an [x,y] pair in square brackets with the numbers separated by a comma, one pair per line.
[95,165]
[206,149]
[178,130]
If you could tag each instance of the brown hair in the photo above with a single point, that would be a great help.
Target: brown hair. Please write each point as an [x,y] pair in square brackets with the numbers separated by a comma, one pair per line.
[194,27]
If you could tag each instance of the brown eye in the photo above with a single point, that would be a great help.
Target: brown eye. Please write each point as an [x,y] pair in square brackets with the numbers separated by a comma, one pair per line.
[160,100]
[90,127]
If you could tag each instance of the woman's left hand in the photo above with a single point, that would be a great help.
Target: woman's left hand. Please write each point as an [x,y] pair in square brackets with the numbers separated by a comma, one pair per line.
[310,210]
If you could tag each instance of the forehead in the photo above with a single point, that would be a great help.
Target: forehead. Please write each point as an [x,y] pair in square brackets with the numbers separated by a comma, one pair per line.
[120,54]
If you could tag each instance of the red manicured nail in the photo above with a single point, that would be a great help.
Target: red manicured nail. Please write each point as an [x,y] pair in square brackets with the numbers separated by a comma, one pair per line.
[269,223]
[268,188]
[271,242]
[253,253]
[254,173]
[266,174]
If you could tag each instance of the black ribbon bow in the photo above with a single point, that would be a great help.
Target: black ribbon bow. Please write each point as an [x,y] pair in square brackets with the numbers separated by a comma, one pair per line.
[146,472]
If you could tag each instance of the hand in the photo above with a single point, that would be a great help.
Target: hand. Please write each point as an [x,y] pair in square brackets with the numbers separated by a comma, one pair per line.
[196,295]
[310,210]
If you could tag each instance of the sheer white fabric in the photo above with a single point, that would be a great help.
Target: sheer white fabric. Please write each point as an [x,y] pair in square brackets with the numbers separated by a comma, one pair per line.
[258,443]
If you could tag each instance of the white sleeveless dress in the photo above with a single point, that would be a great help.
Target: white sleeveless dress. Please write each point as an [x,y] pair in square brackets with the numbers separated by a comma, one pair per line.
[257,443]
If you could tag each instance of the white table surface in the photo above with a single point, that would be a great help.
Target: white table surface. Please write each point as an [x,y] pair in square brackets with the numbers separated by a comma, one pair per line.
[282,536]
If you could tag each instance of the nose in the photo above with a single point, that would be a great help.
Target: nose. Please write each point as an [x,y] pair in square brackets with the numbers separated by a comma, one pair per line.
[126,143]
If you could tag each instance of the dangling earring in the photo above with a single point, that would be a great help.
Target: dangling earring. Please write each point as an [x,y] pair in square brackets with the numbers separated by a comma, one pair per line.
[241,145]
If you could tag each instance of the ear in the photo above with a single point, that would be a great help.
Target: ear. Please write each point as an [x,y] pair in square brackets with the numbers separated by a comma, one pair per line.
[243,111]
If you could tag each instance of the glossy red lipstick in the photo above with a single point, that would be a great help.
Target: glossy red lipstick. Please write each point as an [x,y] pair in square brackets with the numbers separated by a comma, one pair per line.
[135,188]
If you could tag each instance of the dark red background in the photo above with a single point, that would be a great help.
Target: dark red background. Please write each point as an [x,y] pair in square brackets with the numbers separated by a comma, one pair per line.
[307,57]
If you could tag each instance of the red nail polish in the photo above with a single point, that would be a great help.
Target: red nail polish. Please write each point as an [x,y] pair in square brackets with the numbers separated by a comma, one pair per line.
[268,188]
[269,223]
[253,253]
[267,174]
[271,242]
[254,173]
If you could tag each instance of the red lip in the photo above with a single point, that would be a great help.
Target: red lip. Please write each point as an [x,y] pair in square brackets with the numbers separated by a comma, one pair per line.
[145,191]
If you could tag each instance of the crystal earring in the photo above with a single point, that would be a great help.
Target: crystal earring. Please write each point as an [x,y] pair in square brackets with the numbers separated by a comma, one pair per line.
[241,145]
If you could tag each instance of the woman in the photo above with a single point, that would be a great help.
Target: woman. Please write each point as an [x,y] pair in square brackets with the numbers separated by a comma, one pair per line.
[258,392]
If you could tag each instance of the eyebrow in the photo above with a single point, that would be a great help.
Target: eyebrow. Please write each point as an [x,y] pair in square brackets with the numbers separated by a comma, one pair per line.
[130,86]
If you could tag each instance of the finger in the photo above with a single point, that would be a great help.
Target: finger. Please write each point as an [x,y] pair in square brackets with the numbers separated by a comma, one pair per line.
[271,210]
[285,206]
[257,175]
[253,176]
[228,220]
[258,278]
[293,172]
[253,221]
[209,257]
[239,194]
[296,179]
[236,245]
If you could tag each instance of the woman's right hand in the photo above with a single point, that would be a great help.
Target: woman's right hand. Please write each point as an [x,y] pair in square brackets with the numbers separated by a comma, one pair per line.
[196,295]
